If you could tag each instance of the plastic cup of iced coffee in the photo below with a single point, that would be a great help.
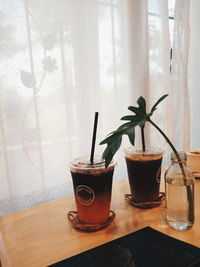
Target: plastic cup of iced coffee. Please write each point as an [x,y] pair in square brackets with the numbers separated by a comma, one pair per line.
[92,185]
[144,173]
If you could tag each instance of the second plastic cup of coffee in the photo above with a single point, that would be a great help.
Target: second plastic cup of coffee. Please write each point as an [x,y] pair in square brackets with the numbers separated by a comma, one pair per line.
[144,172]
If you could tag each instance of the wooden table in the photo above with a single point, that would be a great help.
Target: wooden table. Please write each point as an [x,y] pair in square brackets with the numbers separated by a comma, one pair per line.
[41,235]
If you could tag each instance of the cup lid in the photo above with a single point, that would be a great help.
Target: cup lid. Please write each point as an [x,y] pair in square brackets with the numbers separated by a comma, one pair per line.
[148,151]
[137,153]
[83,163]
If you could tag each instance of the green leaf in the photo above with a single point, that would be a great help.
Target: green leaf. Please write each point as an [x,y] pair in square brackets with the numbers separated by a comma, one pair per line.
[107,156]
[114,140]
[129,118]
[109,139]
[113,145]
[131,135]
[140,121]
[124,126]
[132,118]
[137,111]
[156,104]
[142,104]
[120,131]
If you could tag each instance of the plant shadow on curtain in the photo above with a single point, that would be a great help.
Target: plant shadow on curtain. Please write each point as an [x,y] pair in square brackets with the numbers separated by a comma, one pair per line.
[62,60]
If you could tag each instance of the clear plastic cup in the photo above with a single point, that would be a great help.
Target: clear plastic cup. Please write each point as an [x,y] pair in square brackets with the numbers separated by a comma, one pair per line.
[144,172]
[92,189]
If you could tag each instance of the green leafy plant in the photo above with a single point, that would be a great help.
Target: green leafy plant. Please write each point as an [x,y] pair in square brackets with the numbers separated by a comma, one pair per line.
[140,117]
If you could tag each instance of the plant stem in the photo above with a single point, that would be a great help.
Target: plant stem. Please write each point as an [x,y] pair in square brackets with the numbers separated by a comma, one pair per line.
[143,139]
[172,147]
[189,192]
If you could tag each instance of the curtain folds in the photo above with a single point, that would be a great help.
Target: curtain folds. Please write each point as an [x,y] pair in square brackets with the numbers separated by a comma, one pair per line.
[62,60]
[180,110]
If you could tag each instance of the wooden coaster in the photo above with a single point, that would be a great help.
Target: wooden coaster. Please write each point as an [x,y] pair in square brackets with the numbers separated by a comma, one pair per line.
[145,204]
[73,219]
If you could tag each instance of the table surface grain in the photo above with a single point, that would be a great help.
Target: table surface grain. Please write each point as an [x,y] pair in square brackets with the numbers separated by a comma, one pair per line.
[41,235]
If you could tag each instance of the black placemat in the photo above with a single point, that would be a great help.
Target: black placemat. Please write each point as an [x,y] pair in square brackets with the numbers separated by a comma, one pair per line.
[143,248]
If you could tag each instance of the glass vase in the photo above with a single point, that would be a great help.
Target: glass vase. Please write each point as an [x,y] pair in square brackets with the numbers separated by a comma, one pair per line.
[179,189]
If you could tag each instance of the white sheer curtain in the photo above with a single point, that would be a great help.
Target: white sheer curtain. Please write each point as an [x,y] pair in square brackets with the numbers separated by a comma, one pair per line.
[62,60]
[193,73]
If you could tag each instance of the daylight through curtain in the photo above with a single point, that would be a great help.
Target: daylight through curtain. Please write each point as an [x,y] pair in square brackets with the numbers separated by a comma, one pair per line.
[62,60]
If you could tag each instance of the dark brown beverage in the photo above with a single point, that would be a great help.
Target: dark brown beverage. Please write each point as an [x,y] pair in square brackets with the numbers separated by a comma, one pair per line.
[92,187]
[144,170]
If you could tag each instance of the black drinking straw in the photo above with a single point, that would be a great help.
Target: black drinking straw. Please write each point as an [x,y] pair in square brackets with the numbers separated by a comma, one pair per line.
[143,139]
[94,137]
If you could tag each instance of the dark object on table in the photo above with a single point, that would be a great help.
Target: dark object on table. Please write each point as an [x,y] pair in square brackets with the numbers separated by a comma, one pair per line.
[143,248]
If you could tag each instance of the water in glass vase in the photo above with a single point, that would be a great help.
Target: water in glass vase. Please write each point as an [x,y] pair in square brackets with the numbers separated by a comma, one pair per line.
[179,195]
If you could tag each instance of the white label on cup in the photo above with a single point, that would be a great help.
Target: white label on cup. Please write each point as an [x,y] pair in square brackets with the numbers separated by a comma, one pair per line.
[85,194]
